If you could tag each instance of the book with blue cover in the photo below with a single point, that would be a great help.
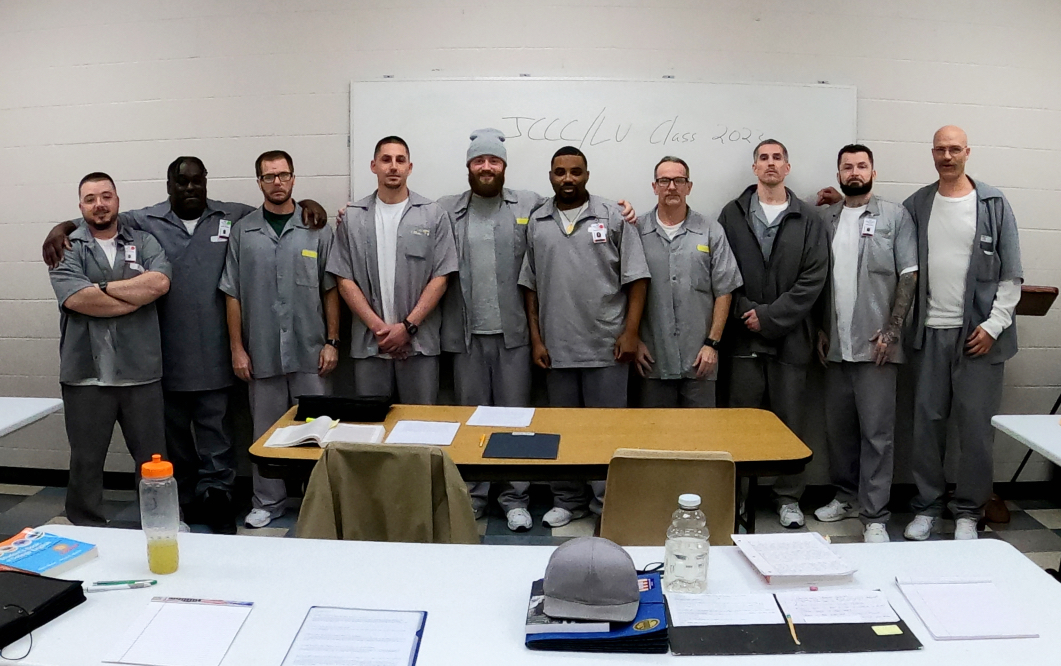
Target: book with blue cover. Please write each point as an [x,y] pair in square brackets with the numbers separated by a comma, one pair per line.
[647,633]
[39,552]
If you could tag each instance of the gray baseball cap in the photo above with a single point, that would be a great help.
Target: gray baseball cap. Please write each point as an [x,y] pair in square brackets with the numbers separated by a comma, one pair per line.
[590,578]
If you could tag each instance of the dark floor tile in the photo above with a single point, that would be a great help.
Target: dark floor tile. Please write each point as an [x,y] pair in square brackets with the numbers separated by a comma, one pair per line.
[512,539]
[32,511]
[845,539]
[1032,541]
[1018,520]
[1043,503]
[10,501]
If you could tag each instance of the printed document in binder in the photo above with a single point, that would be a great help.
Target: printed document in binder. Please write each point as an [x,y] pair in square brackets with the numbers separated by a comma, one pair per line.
[795,558]
[957,609]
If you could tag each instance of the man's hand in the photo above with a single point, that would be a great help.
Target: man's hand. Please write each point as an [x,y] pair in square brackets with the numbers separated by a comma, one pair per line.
[827,196]
[341,212]
[540,355]
[56,243]
[626,346]
[751,320]
[644,359]
[823,347]
[393,338]
[883,346]
[629,214]
[706,362]
[313,214]
[329,357]
[978,343]
[241,364]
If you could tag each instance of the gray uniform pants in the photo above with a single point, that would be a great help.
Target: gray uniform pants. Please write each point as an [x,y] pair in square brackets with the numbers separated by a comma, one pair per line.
[665,393]
[91,412]
[860,428]
[764,382]
[597,387]
[270,398]
[415,378]
[199,443]
[491,374]
[947,379]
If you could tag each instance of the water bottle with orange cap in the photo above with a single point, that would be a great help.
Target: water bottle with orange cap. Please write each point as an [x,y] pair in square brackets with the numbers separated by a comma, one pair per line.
[159,514]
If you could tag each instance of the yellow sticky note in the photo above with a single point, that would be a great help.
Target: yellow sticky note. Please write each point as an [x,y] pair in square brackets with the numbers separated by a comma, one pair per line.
[522,220]
[887,630]
[703,248]
[312,254]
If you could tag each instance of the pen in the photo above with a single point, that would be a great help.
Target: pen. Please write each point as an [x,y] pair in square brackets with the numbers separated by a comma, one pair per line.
[482,440]
[107,585]
[791,628]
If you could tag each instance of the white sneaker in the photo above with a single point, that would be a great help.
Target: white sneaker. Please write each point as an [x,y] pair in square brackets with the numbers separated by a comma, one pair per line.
[519,520]
[558,517]
[836,510]
[875,533]
[258,518]
[965,529]
[791,516]
[920,527]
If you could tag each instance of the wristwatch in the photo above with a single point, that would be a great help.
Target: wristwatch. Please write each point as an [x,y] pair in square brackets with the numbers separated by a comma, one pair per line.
[713,344]
[410,327]
[333,342]
[103,286]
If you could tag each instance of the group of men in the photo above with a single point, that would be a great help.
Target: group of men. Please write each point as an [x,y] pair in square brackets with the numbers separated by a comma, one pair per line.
[574,284]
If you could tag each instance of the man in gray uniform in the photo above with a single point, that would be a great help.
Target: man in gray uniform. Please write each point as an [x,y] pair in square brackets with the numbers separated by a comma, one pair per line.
[585,275]
[110,355]
[873,282]
[283,312]
[782,250]
[693,274]
[392,258]
[969,259]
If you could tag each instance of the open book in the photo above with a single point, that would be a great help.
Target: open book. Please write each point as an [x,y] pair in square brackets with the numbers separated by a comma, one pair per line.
[323,431]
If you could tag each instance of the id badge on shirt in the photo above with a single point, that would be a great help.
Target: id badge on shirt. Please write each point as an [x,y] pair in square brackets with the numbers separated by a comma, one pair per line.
[598,232]
[869,226]
[224,230]
[130,254]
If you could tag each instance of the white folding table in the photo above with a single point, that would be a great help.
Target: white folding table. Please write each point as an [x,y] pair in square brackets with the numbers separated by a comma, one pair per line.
[17,413]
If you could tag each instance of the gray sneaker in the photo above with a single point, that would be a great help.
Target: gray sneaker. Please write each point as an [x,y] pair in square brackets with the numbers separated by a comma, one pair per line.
[791,516]
[836,510]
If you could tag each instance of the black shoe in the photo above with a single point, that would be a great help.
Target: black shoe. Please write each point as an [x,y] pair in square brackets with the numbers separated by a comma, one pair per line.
[218,512]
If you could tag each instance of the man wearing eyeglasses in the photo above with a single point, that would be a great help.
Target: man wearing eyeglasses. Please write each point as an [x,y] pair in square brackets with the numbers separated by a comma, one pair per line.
[970,266]
[283,312]
[693,276]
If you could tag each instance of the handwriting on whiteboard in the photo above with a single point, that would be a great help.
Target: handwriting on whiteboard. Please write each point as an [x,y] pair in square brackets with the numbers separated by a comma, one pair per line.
[602,129]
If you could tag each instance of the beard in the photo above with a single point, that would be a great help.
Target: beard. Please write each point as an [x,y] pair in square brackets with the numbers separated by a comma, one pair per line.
[487,190]
[102,222]
[856,190]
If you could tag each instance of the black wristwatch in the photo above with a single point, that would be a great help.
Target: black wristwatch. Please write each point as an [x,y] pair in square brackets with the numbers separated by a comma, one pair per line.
[103,286]
[713,344]
[410,327]
[333,342]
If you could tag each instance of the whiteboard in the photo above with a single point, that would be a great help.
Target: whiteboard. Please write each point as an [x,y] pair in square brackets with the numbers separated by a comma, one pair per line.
[624,127]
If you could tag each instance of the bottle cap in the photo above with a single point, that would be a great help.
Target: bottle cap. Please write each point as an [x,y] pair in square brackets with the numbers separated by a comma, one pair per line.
[689,501]
[157,468]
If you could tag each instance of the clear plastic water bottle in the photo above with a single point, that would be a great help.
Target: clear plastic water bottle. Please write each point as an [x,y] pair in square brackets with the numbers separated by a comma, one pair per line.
[159,514]
[685,562]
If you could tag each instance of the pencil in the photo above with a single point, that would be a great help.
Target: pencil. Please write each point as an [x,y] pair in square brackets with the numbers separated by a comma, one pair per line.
[482,440]
[791,628]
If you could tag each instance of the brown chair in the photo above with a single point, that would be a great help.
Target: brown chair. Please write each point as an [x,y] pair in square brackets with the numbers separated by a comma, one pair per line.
[643,488]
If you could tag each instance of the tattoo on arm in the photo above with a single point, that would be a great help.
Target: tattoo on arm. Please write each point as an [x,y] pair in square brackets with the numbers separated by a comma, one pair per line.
[904,297]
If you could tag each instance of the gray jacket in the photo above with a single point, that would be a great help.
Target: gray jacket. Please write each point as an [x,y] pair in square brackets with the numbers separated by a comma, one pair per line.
[510,244]
[995,258]
[881,258]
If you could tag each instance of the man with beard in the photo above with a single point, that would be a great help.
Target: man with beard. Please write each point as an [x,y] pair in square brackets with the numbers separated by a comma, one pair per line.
[282,310]
[110,354]
[196,365]
[782,250]
[585,275]
[874,278]
[392,259]
[969,257]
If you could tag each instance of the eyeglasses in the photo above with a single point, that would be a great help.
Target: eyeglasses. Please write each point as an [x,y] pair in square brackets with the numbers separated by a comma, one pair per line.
[283,177]
[678,182]
[949,150]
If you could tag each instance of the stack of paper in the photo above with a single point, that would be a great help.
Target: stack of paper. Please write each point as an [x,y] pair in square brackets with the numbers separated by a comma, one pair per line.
[429,433]
[802,557]
[955,609]
[181,632]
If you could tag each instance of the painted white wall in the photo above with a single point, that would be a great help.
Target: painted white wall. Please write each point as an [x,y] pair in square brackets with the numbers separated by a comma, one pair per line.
[124,86]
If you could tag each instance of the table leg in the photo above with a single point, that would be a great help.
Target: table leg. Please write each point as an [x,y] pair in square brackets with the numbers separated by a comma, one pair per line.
[746,519]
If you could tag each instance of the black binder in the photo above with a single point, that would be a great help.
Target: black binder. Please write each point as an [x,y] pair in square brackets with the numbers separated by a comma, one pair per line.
[28,601]
[530,445]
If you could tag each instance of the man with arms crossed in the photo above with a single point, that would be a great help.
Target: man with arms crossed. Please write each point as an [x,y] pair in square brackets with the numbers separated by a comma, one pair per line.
[110,354]
[585,278]
[873,283]
[693,274]
[969,258]
[283,312]
[392,258]
[782,250]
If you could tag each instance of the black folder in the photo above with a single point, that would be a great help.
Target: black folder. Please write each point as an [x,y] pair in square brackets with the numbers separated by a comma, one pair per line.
[533,445]
[28,601]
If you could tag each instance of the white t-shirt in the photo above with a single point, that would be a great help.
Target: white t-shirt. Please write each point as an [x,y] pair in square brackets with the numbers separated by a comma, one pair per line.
[845,275]
[191,224]
[571,217]
[387,218]
[772,211]
[110,248]
[951,232]
[670,230]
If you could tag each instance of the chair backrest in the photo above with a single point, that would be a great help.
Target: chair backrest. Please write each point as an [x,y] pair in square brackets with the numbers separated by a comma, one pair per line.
[643,488]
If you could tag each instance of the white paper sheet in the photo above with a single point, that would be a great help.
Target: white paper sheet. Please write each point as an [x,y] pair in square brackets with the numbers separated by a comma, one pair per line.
[160,636]
[955,610]
[838,607]
[431,433]
[713,610]
[354,637]
[502,417]
[803,555]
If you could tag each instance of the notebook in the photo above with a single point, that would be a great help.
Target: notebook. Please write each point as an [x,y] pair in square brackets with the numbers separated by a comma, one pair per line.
[28,601]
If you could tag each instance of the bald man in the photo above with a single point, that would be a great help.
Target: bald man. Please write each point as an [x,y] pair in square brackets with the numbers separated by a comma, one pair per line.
[963,332]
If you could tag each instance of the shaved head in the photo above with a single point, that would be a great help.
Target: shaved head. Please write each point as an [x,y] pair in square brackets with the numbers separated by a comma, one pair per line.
[950,134]
[950,150]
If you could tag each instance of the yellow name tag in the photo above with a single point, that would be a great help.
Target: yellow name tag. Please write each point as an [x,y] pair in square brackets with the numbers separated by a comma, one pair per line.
[521,220]
[309,253]
[887,630]
[703,248]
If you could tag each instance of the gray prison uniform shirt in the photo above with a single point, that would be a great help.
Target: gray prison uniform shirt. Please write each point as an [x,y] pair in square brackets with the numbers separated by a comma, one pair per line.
[510,223]
[108,351]
[581,302]
[485,309]
[425,251]
[765,232]
[882,258]
[279,282]
[688,273]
